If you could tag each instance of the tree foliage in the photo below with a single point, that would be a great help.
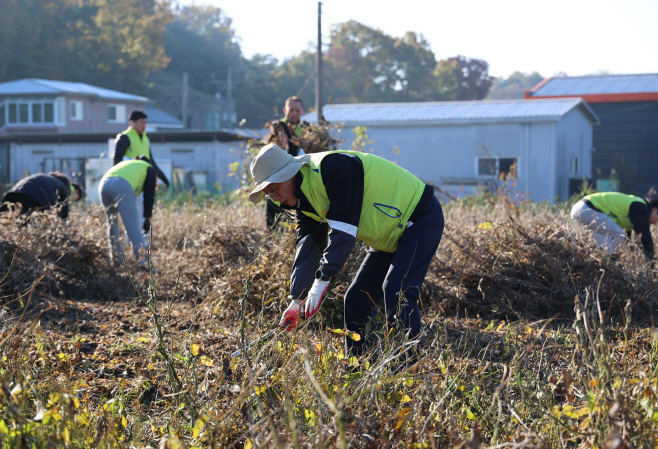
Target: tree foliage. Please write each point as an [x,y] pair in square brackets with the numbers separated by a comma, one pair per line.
[513,86]
[110,43]
[145,46]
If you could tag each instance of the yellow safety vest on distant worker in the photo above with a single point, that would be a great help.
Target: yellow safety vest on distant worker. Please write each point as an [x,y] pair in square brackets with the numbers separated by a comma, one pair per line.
[138,146]
[390,195]
[298,128]
[615,205]
[132,171]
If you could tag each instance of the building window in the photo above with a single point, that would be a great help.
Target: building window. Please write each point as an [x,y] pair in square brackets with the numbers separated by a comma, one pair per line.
[212,121]
[37,112]
[48,113]
[27,111]
[23,113]
[13,117]
[499,167]
[486,166]
[76,110]
[574,166]
[116,113]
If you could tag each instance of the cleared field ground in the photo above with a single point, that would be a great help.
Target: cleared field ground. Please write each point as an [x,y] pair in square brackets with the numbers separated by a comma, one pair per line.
[534,338]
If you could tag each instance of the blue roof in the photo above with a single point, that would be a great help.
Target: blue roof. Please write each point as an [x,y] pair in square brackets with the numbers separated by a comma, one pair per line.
[35,86]
[596,85]
[452,112]
[158,116]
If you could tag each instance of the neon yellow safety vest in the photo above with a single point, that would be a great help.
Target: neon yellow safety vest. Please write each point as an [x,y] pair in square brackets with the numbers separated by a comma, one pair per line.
[615,205]
[132,171]
[390,195]
[138,147]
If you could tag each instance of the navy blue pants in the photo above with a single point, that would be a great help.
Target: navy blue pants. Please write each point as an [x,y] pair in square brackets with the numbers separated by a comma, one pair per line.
[396,278]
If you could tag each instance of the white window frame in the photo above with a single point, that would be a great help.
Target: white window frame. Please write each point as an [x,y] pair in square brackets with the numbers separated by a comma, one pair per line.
[119,112]
[76,110]
[497,162]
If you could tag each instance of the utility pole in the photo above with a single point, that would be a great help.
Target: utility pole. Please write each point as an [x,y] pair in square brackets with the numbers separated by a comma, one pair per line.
[185,99]
[318,70]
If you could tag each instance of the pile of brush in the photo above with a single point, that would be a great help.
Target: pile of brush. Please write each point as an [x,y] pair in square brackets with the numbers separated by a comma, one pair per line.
[497,263]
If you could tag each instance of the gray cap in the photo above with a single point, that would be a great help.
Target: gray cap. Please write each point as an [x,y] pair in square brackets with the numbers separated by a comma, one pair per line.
[273,165]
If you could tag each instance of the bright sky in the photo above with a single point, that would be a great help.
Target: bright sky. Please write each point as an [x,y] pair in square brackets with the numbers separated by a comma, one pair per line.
[577,37]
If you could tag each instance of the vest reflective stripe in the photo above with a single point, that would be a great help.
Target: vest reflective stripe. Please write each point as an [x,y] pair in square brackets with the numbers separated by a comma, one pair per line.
[616,205]
[132,171]
[390,195]
[138,147]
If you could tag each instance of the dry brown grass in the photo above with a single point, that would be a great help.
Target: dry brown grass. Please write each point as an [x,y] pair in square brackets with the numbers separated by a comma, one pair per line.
[503,366]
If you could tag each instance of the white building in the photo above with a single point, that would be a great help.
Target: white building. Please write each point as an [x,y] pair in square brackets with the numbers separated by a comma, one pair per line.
[458,145]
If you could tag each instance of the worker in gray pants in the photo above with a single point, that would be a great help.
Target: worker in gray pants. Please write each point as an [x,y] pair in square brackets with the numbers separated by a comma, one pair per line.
[118,190]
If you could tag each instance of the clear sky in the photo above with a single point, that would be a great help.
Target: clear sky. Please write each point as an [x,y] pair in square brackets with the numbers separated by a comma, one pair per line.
[576,37]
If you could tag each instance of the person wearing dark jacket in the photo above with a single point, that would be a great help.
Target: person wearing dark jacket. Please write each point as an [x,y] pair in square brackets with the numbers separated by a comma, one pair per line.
[118,190]
[43,191]
[284,133]
[342,196]
[134,142]
[611,216]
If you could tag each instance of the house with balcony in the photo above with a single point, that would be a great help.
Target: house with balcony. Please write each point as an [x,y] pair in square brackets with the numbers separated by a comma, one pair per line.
[37,106]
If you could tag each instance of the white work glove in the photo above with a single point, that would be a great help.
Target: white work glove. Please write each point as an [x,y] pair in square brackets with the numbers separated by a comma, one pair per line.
[315,296]
[291,317]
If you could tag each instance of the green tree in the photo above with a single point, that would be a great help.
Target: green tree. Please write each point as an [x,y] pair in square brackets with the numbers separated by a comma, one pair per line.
[374,66]
[462,78]
[513,86]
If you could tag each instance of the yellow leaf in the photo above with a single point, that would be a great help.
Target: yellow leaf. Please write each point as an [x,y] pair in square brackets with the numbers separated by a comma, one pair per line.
[569,411]
[195,349]
[485,225]
[409,382]
[124,422]
[198,427]
[405,398]
[401,418]
[500,326]
[206,361]
[248,444]
[528,330]
[469,414]
[142,339]
[150,367]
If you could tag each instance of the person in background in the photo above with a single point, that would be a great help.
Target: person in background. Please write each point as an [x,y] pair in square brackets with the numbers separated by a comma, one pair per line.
[611,216]
[134,142]
[342,196]
[41,192]
[284,133]
[118,190]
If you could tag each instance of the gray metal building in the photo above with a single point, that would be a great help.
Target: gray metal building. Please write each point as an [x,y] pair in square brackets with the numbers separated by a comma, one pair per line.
[460,145]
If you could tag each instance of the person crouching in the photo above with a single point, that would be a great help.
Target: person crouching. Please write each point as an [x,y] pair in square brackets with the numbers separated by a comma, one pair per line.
[118,190]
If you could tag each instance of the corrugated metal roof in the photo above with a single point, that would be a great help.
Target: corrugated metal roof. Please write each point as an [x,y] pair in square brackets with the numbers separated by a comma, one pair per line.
[156,115]
[35,86]
[447,112]
[597,85]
